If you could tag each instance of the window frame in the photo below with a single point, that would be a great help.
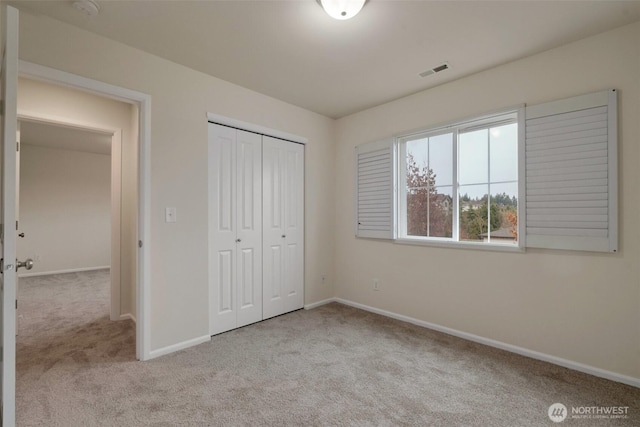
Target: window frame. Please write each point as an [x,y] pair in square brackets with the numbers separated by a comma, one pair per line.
[503,117]
[401,180]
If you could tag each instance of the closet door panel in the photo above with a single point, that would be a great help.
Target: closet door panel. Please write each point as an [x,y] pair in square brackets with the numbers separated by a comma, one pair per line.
[225,269]
[293,295]
[248,306]
[222,228]
[283,233]
[274,276]
[294,226]
[249,233]
[273,164]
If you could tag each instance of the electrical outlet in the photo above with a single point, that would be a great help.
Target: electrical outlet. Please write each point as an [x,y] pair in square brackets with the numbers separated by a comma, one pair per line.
[170,215]
[376,284]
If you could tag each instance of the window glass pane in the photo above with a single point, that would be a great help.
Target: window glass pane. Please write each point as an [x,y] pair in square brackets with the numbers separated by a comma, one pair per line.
[417,161]
[430,212]
[417,211]
[504,153]
[441,158]
[441,212]
[474,216]
[473,157]
[504,212]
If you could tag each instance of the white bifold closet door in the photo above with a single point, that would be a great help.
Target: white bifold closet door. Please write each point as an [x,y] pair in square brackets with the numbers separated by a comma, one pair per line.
[283,226]
[235,215]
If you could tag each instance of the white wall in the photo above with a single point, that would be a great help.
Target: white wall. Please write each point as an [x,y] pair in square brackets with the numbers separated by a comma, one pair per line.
[65,199]
[584,307]
[180,99]
[45,101]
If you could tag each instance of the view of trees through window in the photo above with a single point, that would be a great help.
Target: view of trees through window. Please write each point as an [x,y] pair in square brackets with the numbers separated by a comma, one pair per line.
[486,190]
[429,212]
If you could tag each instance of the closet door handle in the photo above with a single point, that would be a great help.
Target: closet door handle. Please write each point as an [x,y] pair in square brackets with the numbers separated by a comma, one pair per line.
[238,240]
[284,235]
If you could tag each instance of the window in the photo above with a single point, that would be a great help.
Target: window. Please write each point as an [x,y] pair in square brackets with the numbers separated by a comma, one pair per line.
[461,183]
[544,176]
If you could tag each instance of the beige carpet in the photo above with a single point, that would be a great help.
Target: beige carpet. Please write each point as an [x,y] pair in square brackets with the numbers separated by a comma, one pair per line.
[333,366]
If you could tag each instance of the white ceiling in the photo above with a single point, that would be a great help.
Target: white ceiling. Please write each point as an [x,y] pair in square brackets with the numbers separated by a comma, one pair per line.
[63,138]
[293,51]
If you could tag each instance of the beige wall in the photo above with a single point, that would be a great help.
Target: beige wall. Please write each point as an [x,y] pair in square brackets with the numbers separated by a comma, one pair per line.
[45,101]
[65,199]
[584,307]
[180,98]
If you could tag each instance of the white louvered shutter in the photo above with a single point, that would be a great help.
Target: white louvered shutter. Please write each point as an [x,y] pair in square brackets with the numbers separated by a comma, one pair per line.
[571,173]
[374,207]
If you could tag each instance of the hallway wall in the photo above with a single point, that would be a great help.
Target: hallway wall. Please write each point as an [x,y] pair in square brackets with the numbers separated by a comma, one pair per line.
[65,199]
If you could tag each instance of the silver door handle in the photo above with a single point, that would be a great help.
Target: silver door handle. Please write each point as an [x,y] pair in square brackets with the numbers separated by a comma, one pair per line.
[27,264]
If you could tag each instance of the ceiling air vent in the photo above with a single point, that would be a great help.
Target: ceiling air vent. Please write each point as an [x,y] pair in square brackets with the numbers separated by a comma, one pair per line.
[434,70]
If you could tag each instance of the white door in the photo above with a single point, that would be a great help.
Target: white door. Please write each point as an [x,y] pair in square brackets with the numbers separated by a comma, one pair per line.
[283,228]
[222,227]
[235,213]
[272,227]
[9,83]
[17,184]
[294,227]
[249,227]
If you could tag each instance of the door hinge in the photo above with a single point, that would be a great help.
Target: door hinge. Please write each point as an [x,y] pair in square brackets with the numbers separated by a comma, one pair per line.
[139,243]
[18,146]
[16,304]
[16,225]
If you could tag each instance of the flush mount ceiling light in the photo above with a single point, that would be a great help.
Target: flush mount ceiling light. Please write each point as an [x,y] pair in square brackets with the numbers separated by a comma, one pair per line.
[342,9]
[88,7]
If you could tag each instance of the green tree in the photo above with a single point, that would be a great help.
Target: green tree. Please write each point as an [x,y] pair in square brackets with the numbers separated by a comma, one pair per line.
[504,200]
[474,221]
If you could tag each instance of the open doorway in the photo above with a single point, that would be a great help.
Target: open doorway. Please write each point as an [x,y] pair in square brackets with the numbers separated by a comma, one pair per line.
[79,216]
[68,226]
[141,125]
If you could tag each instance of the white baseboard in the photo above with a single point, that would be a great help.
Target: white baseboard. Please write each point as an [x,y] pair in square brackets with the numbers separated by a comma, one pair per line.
[128,316]
[179,346]
[319,303]
[70,270]
[587,369]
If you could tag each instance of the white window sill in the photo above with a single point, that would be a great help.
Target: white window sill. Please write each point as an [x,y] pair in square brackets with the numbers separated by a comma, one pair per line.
[442,243]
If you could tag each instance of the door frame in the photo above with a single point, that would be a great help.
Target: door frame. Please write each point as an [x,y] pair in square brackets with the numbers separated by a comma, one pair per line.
[143,102]
[115,205]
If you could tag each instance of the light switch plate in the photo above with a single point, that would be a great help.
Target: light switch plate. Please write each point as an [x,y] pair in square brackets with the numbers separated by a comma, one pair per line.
[170,215]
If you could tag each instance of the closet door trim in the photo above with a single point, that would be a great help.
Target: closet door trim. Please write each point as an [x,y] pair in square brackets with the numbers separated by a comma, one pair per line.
[250,127]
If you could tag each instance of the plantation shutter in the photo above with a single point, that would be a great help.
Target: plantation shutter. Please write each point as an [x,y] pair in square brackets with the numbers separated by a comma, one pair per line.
[375,190]
[572,173]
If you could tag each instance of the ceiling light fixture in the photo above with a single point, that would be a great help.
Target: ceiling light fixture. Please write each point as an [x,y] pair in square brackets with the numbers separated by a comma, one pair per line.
[342,9]
[88,7]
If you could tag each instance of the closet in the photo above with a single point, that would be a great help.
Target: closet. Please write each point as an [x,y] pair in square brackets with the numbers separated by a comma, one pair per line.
[256,227]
